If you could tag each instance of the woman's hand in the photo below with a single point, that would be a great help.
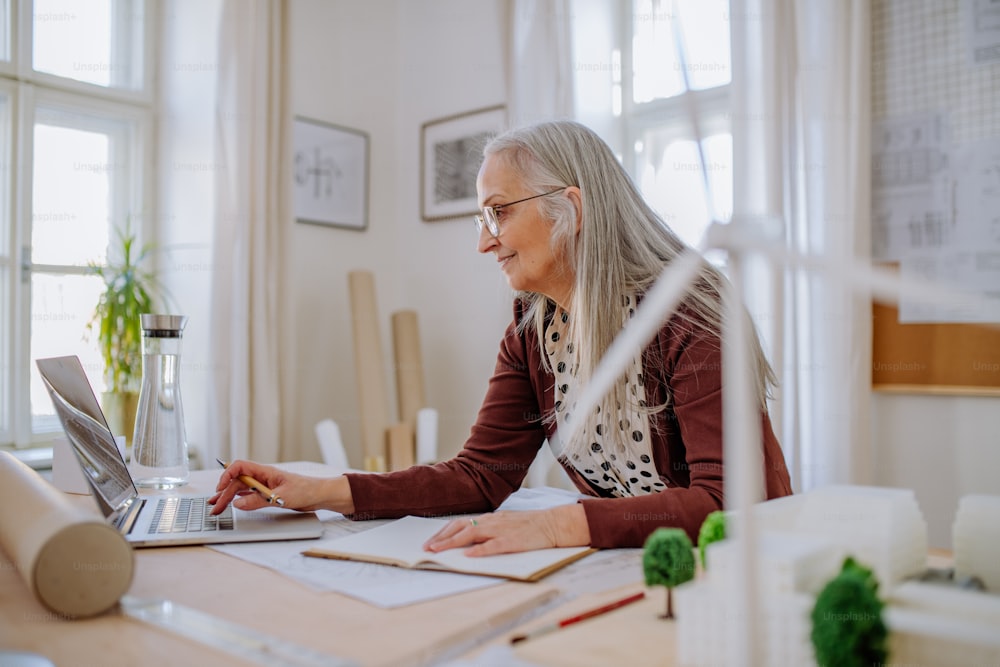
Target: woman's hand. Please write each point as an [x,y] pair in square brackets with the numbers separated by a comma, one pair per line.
[299,492]
[510,532]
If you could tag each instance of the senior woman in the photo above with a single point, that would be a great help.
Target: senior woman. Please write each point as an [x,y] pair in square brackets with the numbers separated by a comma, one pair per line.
[580,247]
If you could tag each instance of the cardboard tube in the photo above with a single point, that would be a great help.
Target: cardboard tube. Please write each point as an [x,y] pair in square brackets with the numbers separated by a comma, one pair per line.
[372,393]
[409,367]
[400,446]
[72,561]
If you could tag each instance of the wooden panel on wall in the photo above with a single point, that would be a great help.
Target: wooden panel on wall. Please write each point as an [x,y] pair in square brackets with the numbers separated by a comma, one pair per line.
[933,358]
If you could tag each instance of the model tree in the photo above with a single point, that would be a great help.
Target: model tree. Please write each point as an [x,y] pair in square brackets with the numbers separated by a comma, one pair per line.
[847,621]
[668,560]
[713,529]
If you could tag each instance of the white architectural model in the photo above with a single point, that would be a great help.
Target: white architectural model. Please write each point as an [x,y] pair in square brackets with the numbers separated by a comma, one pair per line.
[976,540]
[802,543]
[882,528]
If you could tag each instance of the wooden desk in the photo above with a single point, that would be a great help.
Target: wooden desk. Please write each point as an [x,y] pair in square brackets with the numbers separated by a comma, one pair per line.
[259,598]
[634,635]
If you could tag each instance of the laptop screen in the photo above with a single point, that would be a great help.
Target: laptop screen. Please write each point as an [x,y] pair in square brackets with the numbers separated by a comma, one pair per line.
[87,431]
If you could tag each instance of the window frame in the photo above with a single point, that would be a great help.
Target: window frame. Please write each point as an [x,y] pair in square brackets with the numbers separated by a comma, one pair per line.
[29,91]
[22,48]
[667,115]
[10,271]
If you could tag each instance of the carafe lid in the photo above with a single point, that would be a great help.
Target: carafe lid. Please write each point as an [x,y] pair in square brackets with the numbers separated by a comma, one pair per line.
[162,326]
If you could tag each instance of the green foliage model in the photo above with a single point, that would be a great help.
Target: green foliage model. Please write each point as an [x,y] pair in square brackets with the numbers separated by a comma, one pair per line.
[847,626]
[668,560]
[126,295]
[713,529]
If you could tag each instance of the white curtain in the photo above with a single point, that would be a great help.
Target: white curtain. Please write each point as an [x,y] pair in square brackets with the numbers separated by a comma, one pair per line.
[801,125]
[539,61]
[252,208]
[540,87]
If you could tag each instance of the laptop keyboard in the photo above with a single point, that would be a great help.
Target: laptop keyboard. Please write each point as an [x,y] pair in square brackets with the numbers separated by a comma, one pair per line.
[188,515]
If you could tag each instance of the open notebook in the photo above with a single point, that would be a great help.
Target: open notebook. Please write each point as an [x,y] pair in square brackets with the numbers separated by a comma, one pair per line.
[400,543]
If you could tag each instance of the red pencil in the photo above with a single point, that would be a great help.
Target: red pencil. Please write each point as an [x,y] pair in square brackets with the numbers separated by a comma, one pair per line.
[597,611]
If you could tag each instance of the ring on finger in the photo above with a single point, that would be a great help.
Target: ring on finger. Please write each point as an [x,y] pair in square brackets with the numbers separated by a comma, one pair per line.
[473,522]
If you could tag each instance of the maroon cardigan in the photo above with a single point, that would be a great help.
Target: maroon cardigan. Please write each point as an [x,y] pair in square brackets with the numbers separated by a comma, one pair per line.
[686,442]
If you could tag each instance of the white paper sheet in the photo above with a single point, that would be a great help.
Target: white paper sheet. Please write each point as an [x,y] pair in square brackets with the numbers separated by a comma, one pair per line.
[970,271]
[381,585]
[602,571]
[981,27]
[970,261]
[911,204]
[975,176]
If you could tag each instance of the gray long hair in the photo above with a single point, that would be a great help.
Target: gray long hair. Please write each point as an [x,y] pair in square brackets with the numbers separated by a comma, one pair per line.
[622,246]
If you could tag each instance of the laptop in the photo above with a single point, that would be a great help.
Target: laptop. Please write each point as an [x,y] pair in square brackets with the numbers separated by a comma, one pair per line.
[151,521]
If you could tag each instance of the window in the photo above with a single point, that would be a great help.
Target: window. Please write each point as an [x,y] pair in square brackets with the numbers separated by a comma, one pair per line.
[657,104]
[651,103]
[75,101]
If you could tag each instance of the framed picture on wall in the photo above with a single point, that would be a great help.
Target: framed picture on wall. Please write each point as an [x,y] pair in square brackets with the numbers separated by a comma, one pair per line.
[330,174]
[450,154]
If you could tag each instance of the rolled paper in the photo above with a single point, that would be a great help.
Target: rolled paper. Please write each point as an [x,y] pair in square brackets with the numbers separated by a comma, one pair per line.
[73,562]
[427,436]
[409,367]
[399,439]
[373,396]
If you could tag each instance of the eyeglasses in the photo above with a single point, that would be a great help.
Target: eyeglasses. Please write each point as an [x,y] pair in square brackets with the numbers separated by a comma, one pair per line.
[489,217]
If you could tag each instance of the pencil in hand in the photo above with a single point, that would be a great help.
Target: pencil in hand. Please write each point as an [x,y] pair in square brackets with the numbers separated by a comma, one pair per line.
[597,611]
[272,497]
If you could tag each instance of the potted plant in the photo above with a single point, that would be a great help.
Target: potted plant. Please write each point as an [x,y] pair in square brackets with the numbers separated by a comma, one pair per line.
[128,290]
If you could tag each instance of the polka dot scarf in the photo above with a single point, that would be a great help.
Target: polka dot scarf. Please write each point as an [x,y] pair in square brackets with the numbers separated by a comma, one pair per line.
[616,455]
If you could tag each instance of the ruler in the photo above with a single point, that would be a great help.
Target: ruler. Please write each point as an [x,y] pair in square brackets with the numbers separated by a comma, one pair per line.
[247,643]
[452,648]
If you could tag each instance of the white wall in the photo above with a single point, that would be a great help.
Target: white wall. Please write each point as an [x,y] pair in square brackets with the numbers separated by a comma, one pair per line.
[942,447]
[386,68]
[186,173]
[343,60]
[452,62]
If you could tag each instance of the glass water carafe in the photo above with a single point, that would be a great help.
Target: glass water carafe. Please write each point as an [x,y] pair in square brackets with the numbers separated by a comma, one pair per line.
[159,445]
